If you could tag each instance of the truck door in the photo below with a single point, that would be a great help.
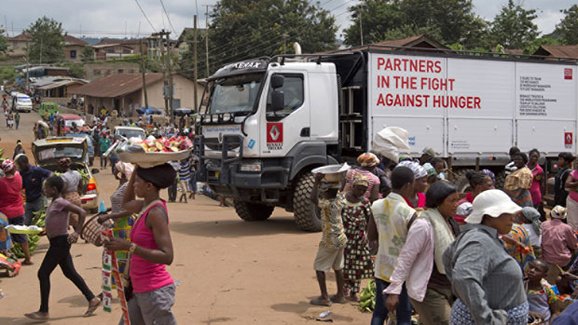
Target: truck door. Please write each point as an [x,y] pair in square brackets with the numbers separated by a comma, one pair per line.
[285,128]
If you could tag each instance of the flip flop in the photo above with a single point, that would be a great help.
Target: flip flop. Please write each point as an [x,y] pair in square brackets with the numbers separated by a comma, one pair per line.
[92,308]
[320,302]
[335,299]
[37,316]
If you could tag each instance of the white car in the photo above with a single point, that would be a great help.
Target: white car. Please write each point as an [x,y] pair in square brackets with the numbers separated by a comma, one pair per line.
[128,132]
[22,102]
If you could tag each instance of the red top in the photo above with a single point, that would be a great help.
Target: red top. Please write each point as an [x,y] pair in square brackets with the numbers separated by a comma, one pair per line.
[11,203]
[420,201]
[147,276]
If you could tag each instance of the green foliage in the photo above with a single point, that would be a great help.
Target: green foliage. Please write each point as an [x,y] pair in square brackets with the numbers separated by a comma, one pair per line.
[186,55]
[514,27]
[7,73]
[568,27]
[87,55]
[254,28]
[3,42]
[47,41]
[544,40]
[448,21]
[76,70]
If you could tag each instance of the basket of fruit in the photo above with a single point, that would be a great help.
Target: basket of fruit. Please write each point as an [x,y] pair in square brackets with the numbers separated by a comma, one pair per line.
[153,152]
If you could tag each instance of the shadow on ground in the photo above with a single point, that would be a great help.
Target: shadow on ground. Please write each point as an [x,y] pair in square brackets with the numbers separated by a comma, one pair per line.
[308,311]
[237,228]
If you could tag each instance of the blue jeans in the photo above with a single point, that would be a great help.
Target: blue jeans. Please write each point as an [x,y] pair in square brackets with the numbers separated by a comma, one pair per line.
[380,313]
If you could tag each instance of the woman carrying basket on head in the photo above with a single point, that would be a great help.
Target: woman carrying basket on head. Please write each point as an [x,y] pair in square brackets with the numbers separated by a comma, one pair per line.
[150,247]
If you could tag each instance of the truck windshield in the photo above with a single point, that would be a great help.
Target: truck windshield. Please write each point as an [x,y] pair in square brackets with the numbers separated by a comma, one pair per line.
[235,94]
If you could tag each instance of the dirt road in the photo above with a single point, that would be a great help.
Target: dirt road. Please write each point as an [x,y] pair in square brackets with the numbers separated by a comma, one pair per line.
[227,271]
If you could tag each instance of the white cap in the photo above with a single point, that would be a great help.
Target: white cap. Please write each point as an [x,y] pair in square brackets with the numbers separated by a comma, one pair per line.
[492,203]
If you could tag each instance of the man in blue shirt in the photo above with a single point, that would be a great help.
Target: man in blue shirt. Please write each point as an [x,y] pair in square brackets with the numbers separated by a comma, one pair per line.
[32,179]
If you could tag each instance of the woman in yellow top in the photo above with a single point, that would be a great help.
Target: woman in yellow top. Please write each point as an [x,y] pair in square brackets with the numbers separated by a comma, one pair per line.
[518,183]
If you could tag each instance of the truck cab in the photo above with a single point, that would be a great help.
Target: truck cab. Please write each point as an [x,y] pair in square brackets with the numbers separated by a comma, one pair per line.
[265,125]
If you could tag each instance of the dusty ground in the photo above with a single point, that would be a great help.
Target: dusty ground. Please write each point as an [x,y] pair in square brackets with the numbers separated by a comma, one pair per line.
[228,271]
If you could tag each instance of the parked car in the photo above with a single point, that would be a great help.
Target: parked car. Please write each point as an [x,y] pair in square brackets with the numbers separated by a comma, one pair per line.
[65,123]
[21,102]
[47,152]
[128,132]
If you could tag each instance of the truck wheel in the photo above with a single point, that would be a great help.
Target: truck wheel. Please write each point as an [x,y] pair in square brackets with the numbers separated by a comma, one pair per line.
[500,180]
[306,213]
[253,211]
[461,182]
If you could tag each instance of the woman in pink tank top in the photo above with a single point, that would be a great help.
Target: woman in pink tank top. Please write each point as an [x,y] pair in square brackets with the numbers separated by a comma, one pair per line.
[151,247]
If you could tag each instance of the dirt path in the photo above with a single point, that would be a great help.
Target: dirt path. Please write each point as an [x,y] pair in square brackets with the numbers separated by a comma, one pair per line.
[228,271]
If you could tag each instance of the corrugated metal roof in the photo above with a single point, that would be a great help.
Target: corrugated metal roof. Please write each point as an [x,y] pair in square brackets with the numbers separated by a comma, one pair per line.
[71,40]
[116,85]
[559,51]
[57,84]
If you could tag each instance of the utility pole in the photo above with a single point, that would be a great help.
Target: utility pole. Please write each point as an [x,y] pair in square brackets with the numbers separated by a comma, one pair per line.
[361,26]
[167,89]
[143,71]
[207,42]
[195,63]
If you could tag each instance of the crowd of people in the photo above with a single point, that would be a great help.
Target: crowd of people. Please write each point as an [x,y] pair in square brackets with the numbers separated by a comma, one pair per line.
[488,256]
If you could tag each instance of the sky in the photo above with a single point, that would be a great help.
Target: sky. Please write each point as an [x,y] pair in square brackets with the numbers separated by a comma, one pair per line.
[123,18]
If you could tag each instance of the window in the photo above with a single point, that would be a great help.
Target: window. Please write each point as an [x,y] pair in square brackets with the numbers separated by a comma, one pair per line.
[120,71]
[73,54]
[97,72]
[293,90]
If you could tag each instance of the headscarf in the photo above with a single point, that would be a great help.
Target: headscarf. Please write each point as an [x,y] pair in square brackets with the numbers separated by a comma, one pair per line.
[360,180]
[429,151]
[489,173]
[431,171]
[558,212]
[7,166]
[161,176]
[532,215]
[418,170]
[367,159]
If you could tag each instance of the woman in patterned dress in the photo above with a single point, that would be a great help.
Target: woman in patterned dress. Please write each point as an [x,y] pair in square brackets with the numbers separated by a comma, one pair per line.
[356,212]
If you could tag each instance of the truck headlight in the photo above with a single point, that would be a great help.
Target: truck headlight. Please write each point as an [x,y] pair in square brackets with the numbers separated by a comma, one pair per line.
[251,167]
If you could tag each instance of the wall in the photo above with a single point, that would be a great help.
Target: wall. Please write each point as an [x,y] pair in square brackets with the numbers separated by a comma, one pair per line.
[94,71]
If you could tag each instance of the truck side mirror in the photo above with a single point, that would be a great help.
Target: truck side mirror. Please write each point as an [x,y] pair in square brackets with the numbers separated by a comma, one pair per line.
[277,81]
[277,100]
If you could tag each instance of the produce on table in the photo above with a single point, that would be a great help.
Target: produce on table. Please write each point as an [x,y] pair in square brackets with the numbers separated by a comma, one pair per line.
[154,145]
[40,221]
[367,297]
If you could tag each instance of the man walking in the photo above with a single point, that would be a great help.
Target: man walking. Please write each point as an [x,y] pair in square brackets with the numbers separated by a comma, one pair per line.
[32,179]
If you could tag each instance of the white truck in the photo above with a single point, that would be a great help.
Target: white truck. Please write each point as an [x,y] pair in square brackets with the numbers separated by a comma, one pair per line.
[266,123]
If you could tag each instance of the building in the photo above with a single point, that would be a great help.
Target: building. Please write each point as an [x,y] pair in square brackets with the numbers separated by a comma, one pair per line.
[124,92]
[558,51]
[18,45]
[73,48]
[56,88]
[93,71]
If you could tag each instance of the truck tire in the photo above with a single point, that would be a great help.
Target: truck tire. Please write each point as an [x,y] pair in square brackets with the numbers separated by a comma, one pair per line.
[500,180]
[253,211]
[305,212]
[461,182]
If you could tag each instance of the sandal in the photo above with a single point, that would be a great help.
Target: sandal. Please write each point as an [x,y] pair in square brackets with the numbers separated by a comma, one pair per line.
[37,315]
[337,300]
[92,306]
[319,301]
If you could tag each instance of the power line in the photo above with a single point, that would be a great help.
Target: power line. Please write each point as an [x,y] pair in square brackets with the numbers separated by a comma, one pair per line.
[169,18]
[145,15]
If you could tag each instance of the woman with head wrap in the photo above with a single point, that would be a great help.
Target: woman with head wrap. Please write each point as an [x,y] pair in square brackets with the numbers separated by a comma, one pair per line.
[479,181]
[518,183]
[420,263]
[367,162]
[418,200]
[355,214]
[150,246]
[530,219]
[12,205]
[72,186]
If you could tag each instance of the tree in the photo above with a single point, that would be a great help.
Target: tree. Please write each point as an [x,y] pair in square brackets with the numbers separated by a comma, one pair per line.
[513,27]
[186,55]
[242,29]
[375,18]
[87,54]
[47,44]
[447,21]
[3,42]
[568,27]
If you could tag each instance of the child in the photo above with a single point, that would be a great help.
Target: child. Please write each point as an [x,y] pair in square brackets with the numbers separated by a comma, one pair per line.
[356,213]
[541,296]
[333,240]
[57,217]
